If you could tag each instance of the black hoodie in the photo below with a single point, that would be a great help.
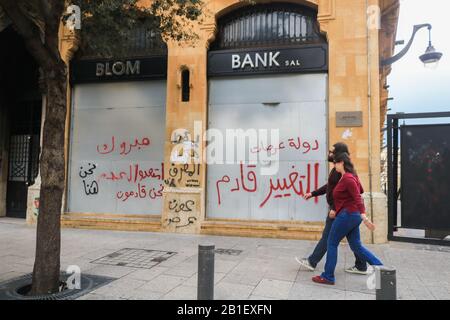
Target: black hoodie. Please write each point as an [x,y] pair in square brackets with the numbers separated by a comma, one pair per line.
[328,188]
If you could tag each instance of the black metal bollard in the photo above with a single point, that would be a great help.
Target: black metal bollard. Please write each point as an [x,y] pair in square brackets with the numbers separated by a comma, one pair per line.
[386,283]
[205,280]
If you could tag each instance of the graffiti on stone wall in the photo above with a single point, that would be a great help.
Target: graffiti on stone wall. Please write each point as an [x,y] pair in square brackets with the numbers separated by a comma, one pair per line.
[182,213]
[134,173]
[123,147]
[185,149]
[295,184]
[176,206]
[186,175]
[90,185]
[119,176]
[304,146]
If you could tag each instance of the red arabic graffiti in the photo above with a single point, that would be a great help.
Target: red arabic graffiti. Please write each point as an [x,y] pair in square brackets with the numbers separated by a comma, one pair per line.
[135,174]
[293,185]
[292,143]
[251,177]
[141,193]
[125,147]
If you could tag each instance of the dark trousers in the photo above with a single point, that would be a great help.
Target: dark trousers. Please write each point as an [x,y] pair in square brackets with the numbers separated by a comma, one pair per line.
[321,248]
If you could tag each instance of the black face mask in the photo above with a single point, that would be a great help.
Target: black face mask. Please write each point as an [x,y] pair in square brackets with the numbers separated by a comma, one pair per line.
[330,158]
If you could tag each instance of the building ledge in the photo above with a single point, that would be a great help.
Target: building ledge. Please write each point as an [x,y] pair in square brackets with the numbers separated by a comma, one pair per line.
[149,223]
[263,229]
[220,227]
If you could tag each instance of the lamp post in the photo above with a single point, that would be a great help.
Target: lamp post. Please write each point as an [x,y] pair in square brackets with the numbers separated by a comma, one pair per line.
[430,58]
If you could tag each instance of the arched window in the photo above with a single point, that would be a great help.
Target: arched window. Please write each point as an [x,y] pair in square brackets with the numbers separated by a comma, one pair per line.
[268,24]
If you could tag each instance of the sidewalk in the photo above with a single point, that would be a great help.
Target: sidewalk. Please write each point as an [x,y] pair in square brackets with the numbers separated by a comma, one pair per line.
[257,269]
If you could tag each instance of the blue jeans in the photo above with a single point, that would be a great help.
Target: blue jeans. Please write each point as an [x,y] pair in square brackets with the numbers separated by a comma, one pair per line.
[321,249]
[346,225]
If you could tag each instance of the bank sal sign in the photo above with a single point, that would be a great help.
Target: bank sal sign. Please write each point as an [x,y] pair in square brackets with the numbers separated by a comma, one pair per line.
[309,58]
[265,60]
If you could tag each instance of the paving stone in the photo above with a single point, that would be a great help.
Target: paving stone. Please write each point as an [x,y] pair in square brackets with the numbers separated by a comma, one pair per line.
[242,277]
[440,293]
[147,274]
[11,275]
[253,297]
[192,281]
[111,271]
[287,273]
[224,266]
[144,294]
[273,288]
[351,295]
[113,292]
[182,293]
[163,283]
[232,291]
[301,291]
[93,296]
[127,283]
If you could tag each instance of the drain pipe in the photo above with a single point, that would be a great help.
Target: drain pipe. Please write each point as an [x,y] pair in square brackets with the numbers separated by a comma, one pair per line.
[369,105]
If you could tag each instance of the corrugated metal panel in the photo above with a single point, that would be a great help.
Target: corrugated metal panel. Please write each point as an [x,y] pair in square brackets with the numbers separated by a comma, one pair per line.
[273,88]
[294,104]
[117,143]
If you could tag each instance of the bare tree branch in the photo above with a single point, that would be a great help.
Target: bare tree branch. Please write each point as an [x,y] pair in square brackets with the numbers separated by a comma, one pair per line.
[27,30]
[54,11]
[30,32]
[45,9]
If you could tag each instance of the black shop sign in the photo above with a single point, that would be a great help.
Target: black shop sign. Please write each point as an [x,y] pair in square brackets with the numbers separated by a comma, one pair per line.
[84,71]
[302,59]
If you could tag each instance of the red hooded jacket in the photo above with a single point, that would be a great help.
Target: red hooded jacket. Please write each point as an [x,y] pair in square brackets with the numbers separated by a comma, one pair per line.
[347,194]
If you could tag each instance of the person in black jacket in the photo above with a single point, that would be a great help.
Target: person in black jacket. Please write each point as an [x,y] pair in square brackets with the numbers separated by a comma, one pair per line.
[311,262]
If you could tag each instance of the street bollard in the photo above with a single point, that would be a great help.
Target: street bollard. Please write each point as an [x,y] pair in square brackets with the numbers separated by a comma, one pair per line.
[386,283]
[205,280]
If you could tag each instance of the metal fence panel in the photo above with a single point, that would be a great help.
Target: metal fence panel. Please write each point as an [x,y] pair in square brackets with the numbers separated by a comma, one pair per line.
[425,177]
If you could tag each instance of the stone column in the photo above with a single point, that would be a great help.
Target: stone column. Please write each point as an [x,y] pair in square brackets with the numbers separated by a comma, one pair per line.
[186,122]
[354,86]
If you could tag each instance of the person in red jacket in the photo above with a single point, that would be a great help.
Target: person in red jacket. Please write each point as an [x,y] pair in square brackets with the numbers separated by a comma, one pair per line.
[320,250]
[350,212]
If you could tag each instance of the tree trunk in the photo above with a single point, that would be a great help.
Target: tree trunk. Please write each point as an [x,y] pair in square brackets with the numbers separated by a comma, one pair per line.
[46,270]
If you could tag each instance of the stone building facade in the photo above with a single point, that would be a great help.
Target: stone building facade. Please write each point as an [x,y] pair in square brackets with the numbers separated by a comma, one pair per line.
[310,69]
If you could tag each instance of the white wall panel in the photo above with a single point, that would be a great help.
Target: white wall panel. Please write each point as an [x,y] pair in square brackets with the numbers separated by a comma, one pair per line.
[298,110]
[120,129]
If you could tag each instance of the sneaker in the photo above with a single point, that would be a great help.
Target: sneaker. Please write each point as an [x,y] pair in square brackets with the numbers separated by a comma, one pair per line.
[305,264]
[355,270]
[319,279]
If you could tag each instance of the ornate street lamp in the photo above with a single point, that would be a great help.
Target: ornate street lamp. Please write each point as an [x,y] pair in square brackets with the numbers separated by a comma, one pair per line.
[430,58]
